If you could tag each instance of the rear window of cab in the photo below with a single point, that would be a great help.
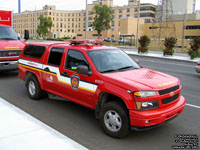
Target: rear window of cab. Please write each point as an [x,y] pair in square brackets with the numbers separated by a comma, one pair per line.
[34,51]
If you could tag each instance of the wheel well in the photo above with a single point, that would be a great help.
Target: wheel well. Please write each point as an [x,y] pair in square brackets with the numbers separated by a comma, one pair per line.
[28,75]
[106,98]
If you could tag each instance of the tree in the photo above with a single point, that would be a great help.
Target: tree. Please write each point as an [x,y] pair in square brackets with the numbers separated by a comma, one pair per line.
[44,26]
[102,19]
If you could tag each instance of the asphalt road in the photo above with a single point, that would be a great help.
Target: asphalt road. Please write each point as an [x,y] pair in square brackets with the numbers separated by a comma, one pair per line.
[79,123]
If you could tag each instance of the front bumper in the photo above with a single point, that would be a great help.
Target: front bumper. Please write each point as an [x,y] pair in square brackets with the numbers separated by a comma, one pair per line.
[8,65]
[156,117]
[197,68]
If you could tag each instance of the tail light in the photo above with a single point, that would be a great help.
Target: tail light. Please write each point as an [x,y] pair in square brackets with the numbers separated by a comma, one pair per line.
[198,64]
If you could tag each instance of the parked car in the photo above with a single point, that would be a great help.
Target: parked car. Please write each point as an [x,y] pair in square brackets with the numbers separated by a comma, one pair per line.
[197,67]
[123,94]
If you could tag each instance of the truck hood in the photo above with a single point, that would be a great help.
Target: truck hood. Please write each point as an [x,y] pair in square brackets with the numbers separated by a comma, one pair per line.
[11,44]
[141,79]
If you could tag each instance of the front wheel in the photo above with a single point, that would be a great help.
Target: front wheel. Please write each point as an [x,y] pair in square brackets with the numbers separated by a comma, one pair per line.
[114,120]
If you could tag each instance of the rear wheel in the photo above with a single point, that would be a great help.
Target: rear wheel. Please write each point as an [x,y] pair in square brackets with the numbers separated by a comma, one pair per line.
[33,88]
[114,120]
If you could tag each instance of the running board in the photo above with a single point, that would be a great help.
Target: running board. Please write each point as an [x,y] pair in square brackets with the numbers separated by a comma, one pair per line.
[55,97]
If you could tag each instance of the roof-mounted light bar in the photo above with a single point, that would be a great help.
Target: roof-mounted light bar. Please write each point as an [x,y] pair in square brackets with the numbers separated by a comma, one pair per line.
[85,42]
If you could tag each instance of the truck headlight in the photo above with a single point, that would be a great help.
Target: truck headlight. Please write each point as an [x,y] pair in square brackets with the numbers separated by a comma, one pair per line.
[146,105]
[144,93]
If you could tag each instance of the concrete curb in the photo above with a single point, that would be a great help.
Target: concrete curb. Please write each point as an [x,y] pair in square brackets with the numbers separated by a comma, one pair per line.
[152,55]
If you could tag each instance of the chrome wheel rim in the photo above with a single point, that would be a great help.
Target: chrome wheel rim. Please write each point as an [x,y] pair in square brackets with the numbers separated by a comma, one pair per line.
[112,121]
[31,88]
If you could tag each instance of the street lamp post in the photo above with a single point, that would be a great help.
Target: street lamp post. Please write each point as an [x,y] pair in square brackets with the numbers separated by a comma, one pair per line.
[138,19]
[86,19]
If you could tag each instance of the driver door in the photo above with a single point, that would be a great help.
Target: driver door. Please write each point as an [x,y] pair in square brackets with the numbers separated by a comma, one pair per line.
[80,88]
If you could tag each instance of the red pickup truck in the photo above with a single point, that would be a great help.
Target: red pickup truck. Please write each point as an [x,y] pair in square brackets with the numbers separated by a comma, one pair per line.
[123,94]
[10,44]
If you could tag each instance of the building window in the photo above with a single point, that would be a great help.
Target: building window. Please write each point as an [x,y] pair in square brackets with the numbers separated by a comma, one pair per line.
[120,10]
[135,9]
[147,15]
[193,27]
[90,13]
[128,10]
[90,18]
[147,8]
[191,37]
[113,23]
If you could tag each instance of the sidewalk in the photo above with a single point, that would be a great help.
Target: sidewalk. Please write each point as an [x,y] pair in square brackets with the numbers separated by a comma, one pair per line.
[20,131]
[159,54]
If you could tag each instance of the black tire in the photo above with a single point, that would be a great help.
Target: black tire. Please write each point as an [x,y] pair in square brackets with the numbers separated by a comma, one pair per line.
[33,94]
[116,109]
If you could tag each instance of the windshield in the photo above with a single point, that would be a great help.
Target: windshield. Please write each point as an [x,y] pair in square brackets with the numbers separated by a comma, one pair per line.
[112,60]
[7,33]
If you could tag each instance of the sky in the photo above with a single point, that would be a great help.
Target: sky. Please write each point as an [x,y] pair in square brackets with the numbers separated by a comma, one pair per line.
[61,4]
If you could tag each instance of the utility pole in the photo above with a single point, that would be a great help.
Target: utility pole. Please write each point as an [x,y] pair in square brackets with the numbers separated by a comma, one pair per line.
[19,6]
[167,14]
[183,33]
[138,19]
[86,19]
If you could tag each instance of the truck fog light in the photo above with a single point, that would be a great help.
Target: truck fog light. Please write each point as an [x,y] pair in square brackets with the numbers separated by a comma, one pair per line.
[147,121]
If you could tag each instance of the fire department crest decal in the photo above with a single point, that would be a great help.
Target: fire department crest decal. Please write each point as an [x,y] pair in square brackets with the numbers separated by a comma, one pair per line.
[75,81]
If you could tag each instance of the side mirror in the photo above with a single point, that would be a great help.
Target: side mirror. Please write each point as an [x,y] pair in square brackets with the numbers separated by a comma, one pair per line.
[83,69]
[26,34]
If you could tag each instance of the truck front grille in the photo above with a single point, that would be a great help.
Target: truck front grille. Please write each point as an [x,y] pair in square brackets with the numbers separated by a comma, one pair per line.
[170,99]
[165,91]
[9,53]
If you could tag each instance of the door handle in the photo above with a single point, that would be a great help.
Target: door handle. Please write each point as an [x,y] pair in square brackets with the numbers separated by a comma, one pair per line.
[46,69]
[65,74]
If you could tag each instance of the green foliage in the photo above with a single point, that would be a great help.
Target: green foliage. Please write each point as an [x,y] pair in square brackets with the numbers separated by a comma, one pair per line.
[170,43]
[44,26]
[144,42]
[194,52]
[102,19]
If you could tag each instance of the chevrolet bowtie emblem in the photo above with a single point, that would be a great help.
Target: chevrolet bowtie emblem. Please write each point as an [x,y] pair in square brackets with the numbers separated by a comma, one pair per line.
[172,94]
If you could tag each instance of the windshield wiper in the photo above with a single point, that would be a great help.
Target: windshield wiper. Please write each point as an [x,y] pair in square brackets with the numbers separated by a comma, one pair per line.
[127,67]
[110,70]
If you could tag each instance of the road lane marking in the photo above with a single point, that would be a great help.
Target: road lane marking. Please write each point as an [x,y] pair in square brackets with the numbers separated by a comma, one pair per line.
[17,125]
[195,106]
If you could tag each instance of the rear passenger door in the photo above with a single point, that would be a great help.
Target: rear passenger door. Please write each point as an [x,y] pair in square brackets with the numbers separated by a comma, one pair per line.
[51,70]
[79,87]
